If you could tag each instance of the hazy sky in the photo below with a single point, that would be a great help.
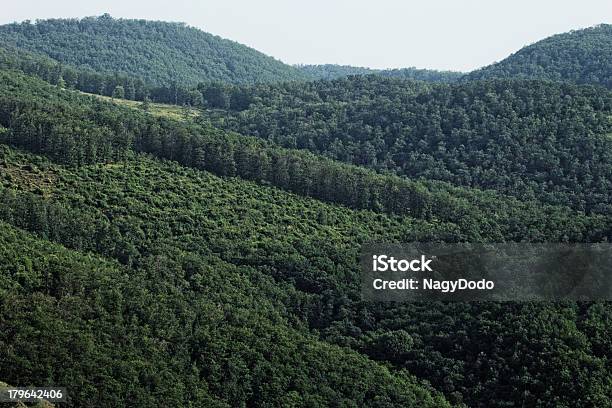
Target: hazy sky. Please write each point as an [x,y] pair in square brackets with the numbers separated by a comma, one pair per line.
[442,34]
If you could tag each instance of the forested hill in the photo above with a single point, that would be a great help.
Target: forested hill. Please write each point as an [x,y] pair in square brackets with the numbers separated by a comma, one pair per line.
[150,260]
[527,138]
[581,56]
[161,53]
[333,71]
[215,278]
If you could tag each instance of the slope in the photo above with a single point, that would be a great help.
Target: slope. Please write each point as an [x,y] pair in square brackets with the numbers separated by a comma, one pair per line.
[580,56]
[160,53]
[73,129]
[145,337]
[531,139]
[188,228]
[332,71]
[240,252]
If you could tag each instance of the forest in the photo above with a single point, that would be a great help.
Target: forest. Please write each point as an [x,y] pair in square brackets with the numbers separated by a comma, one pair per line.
[549,141]
[580,56]
[212,259]
[524,138]
[331,71]
[160,53]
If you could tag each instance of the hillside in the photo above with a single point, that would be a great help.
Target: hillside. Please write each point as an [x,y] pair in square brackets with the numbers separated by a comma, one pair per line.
[76,130]
[126,302]
[581,56]
[196,76]
[264,252]
[331,71]
[530,139]
[227,278]
[208,255]
[160,53]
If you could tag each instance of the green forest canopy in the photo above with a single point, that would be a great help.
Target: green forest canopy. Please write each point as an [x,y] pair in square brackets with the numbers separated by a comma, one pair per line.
[579,56]
[174,54]
[527,138]
[236,269]
[190,264]
[158,52]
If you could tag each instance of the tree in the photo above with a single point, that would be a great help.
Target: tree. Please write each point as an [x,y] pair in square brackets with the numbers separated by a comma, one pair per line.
[70,77]
[130,90]
[146,104]
[216,97]
[118,92]
[195,98]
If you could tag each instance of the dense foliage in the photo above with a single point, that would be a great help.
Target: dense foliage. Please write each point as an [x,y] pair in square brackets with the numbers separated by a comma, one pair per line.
[226,245]
[581,56]
[78,130]
[157,323]
[84,80]
[158,52]
[531,139]
[331,71]
[204,94]
[115,85]
[150,261]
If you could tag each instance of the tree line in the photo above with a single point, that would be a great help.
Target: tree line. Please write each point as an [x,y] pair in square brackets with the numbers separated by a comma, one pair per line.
[530,139]
[76,130]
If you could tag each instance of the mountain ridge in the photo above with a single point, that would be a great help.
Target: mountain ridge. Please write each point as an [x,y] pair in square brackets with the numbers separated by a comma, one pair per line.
[581,56]
[161,53]
[171,54]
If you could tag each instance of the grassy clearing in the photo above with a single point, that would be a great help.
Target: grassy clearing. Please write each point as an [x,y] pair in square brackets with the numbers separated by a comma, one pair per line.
[157,109]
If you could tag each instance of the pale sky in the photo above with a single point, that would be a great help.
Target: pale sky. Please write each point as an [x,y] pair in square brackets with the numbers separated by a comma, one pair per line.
[438,34]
